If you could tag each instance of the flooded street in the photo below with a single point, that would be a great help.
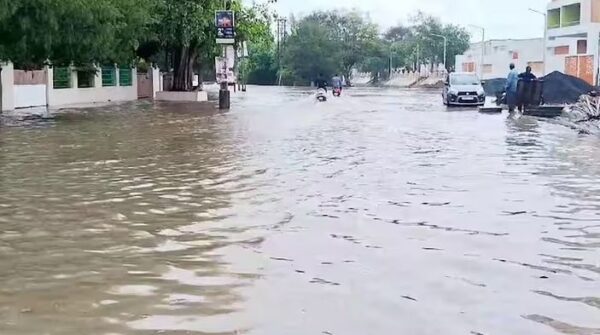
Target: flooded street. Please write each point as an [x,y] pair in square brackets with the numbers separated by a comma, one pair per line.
[381,212]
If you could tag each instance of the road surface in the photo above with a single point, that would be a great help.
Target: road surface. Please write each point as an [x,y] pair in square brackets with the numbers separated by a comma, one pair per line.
[381,212]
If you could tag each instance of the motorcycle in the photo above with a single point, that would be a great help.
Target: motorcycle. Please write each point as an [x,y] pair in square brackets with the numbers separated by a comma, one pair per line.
[321,95]
[337,91]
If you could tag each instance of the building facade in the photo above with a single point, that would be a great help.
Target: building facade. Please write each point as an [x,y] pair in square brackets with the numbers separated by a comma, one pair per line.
[63,86]
[573,30]
[498,54]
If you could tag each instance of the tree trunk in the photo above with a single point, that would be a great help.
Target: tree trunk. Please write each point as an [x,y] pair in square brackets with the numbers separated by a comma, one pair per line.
[183,73]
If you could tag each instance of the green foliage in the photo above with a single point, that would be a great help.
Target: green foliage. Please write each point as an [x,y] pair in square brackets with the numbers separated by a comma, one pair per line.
[261,66]
[184,35]
[312,50]
[331,42]
[180,33]
[33,32]
[356,36]
[328,43]
[407,45]
[420,37]
[185,23]
[253,24]
[254,27]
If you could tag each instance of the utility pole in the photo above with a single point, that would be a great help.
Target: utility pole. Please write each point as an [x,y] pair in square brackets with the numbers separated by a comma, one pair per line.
[482,49]
[445,49]
[281,37]
[545,37]
[418,67]
[278,44]
[224,94]
[1,92]
[391,60]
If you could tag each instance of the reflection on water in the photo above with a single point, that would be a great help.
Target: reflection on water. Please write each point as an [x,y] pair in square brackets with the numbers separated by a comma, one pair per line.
[373,213]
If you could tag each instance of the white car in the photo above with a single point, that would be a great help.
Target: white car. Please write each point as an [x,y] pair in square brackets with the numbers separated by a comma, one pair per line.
[463,89]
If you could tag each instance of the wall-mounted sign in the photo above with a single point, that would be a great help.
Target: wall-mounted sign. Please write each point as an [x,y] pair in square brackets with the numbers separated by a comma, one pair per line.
[225,23]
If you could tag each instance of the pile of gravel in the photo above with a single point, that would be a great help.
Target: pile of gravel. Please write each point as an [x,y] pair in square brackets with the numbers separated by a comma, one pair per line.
[561,88]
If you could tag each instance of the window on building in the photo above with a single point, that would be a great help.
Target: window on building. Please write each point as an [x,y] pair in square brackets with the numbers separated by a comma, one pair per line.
[536,67]
[61,77]
[561,50]
[571,15]
[85,78]
[109,75]
[487,68]
[581,47]
[125,74]
[554,18]
[596,11]
[515,55]
[468,67]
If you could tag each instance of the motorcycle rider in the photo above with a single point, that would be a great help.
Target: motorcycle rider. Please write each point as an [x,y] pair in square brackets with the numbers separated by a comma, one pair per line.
[336,83]
[321,83]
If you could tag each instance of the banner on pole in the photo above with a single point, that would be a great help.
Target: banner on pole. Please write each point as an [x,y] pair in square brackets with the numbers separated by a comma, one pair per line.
[224,67]
[225,23]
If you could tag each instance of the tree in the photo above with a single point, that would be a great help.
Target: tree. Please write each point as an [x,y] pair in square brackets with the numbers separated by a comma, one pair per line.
[328,42]
[356,35]
[431,48]
[184,29]
[311,50]
[254,29]
[185,35]
[33,32]
[261,66]
[397,33]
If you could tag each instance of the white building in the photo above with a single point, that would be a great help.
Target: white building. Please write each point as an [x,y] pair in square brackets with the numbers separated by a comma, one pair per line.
[64,86]
[573,29]
[498,54]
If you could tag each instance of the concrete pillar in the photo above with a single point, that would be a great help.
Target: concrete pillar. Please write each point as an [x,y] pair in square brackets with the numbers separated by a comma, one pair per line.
[594,49]
[117,76]
[7,96]
[156,81]
[74,81]
[49,84]
[98,77]
[134,83]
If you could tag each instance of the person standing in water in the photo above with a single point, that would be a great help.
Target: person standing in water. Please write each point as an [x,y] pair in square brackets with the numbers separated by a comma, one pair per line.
[523,98]
[511,88]
[527,76]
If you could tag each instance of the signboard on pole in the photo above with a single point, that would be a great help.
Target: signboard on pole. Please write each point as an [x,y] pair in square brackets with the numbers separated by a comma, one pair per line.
[224,66]
[225,23]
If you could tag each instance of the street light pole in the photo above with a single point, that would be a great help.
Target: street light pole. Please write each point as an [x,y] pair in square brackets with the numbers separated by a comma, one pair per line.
[445,49]
[391,60]
[545,37]
[482,49]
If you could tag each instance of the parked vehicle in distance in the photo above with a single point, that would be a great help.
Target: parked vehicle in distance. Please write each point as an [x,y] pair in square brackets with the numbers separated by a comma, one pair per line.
[463,89]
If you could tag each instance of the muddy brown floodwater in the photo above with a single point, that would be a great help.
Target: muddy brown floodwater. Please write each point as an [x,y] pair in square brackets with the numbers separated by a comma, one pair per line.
[381,212]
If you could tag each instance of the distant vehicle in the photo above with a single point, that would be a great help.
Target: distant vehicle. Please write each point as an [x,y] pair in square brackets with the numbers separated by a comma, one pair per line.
[321,95]
[463,89]
[337,91]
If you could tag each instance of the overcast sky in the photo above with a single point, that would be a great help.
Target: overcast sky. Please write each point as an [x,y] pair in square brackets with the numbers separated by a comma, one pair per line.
[502,19]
